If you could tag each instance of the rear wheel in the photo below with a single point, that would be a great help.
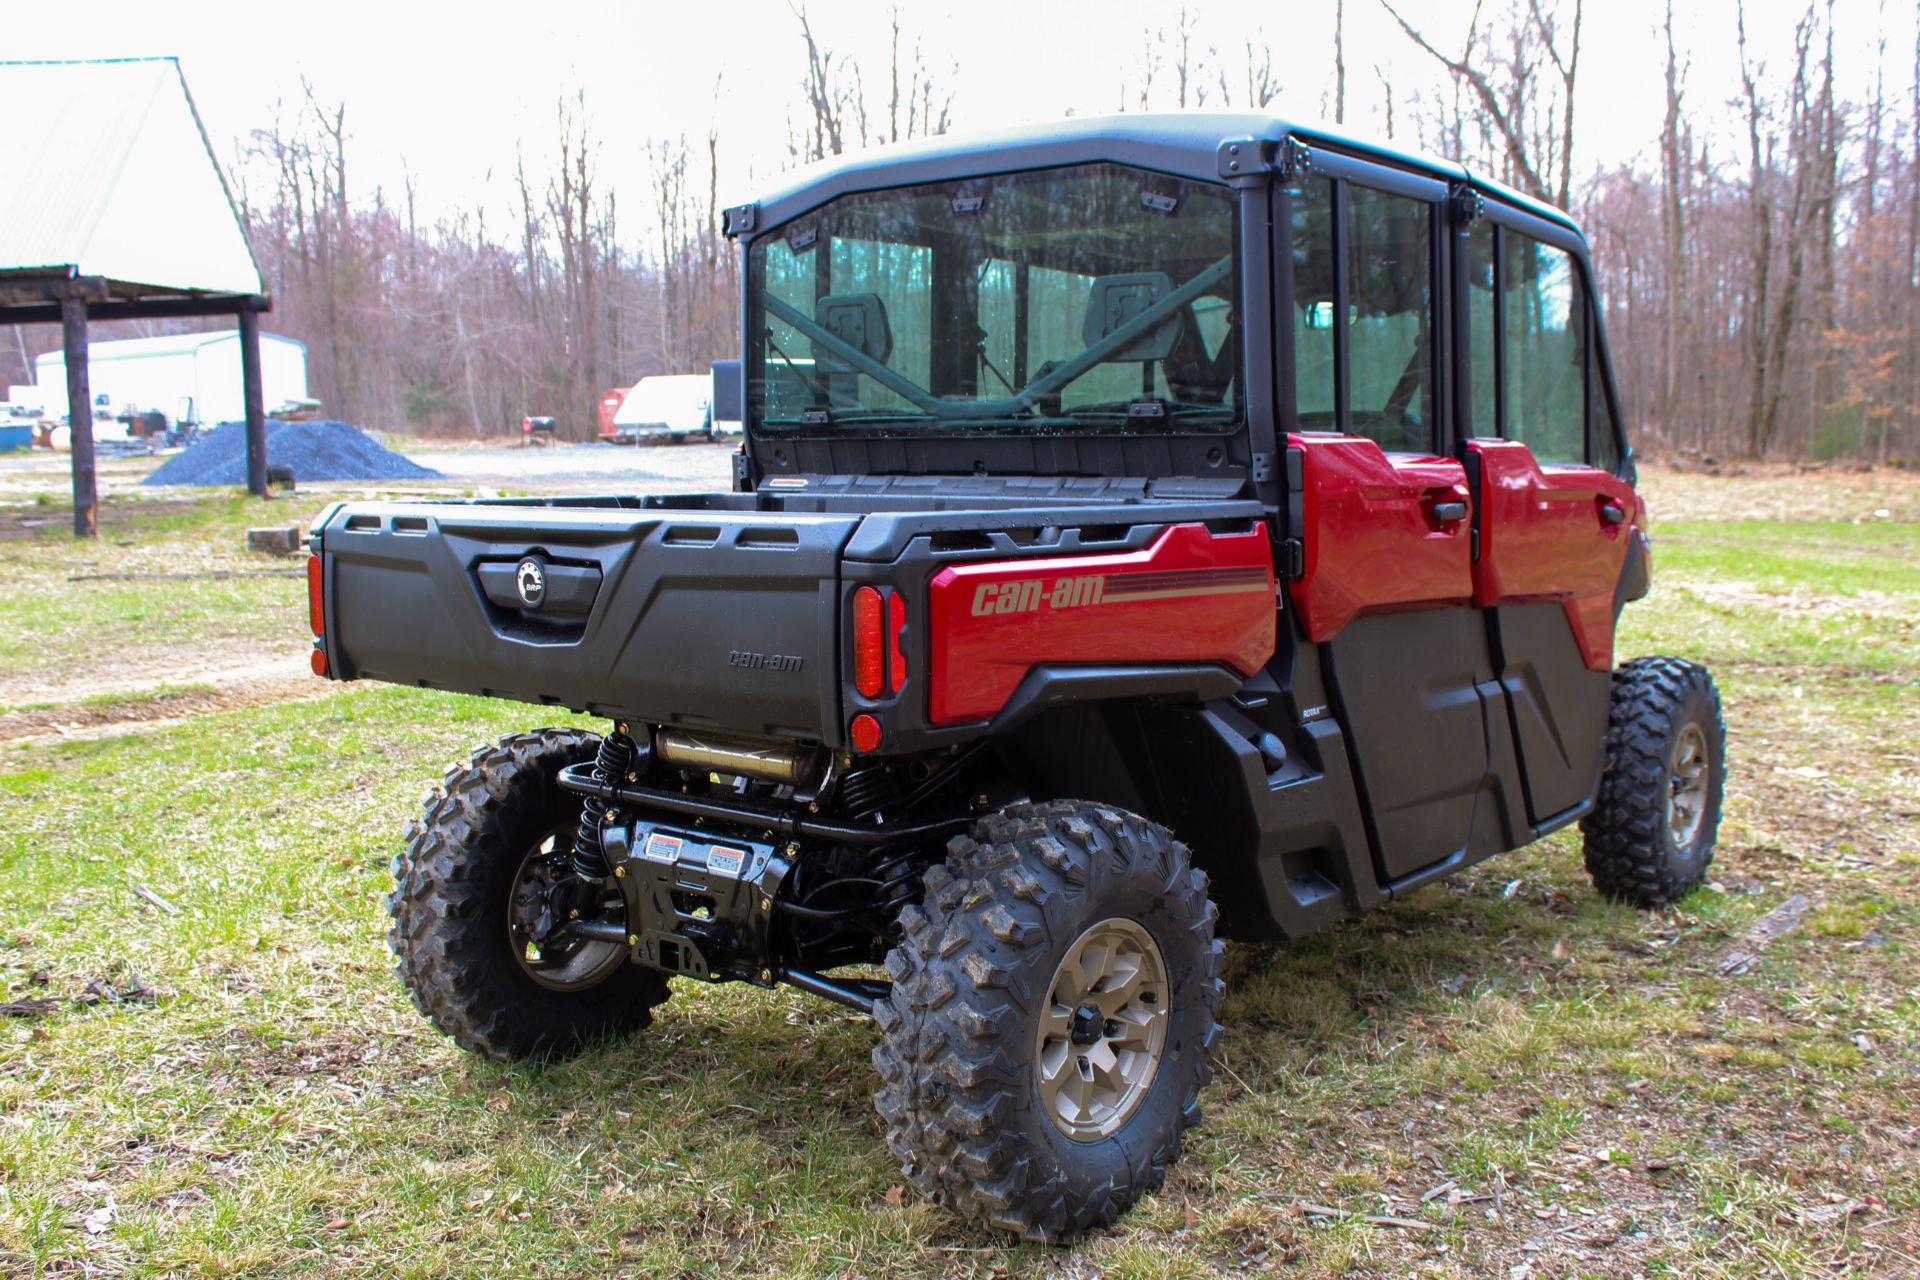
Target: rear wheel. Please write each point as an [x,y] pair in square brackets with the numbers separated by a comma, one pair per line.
[1650,836]
[483,882]
[1046,1038]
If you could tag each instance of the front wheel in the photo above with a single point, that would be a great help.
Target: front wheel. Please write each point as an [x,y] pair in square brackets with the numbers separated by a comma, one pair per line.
[1046,1038]
[485,877]
[1650,835]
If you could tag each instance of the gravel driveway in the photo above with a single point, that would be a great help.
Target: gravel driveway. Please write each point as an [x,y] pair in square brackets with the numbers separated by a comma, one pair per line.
[587,468]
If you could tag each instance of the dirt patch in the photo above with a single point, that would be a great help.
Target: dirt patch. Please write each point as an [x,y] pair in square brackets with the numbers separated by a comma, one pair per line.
[1779,491]
[130,672]
[254,687]
[21,523]
[1882,606]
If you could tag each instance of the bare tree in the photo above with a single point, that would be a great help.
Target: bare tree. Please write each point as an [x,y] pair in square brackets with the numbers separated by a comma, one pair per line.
[919,102]
[1675,162]
[1339,61]
[1504,88]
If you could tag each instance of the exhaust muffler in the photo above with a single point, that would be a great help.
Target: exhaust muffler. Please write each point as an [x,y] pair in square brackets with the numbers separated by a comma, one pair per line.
[802,768]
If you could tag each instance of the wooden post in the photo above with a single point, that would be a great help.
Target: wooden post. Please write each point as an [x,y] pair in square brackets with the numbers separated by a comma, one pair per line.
[255,399]
[86,495]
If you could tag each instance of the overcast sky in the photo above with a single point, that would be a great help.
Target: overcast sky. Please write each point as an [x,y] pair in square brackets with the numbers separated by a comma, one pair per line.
[448,92]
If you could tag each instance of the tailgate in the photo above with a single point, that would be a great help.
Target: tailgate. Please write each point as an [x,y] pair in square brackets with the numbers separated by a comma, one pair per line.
[723,620]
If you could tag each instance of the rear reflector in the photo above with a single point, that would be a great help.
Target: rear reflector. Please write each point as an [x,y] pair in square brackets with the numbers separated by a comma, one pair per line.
[865,733]
[869,645]
[896,627]
[319,661]
[316,612]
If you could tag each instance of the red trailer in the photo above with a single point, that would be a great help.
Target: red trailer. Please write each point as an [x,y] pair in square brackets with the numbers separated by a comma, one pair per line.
[609,405]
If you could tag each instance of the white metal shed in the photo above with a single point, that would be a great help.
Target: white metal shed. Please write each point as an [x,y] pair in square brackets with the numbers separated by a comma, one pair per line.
[190,377]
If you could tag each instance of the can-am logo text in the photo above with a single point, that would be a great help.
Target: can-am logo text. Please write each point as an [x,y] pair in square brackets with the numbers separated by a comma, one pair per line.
[1035,594]
[764,661]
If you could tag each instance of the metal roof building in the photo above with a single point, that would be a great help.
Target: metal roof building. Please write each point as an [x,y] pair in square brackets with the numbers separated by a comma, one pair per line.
[114,207]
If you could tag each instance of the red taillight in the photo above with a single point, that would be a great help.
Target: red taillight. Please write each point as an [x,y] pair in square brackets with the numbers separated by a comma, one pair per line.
[319,661]
[316,610]
[865,732]
[869,644]
[896,628]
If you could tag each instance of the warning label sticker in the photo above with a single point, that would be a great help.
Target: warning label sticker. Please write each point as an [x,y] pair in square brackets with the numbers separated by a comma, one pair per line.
[722,861]
[661,848]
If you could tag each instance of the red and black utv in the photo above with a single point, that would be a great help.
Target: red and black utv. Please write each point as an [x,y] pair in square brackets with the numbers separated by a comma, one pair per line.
[1148,531]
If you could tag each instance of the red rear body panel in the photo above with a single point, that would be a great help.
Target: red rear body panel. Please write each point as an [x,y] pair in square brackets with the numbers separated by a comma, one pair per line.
[1373,537]
[1192,596]
[1544,537]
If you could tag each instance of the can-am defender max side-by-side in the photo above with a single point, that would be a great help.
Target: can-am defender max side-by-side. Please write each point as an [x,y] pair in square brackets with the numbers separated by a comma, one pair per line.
[1147,531]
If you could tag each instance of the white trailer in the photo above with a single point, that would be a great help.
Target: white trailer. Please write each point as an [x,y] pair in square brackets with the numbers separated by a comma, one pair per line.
[665,407]
[190,377]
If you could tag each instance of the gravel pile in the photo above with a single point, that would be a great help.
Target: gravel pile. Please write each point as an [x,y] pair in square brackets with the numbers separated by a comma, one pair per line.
[315,451]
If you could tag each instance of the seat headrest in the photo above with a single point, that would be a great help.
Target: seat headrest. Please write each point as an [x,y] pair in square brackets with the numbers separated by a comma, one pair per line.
[1117,299]
[857,319]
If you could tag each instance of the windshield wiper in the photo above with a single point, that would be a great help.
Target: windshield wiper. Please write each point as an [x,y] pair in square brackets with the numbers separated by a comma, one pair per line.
[1029,396]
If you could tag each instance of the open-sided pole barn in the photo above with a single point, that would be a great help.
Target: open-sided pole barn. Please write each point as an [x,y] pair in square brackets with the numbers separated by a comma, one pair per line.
[114,208]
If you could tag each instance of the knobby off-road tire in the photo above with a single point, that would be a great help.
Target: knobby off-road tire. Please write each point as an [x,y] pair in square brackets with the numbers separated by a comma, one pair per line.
[450,905]
[1649,838]
[973,981]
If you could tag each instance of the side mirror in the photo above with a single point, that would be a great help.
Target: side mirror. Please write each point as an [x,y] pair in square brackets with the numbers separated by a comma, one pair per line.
[729,392]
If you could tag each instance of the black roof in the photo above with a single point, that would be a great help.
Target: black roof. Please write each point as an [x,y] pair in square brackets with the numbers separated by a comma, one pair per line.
[1186,144]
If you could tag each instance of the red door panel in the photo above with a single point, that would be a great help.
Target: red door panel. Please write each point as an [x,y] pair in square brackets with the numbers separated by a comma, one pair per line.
[1380,534]
[1192,596]
[1545,535]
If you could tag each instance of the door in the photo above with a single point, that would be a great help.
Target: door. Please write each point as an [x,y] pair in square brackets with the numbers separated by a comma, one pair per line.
[1382,515]
[1555,522]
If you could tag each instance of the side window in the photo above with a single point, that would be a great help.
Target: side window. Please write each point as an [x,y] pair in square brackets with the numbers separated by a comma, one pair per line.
[1604,450]
[1313,372]
[1390,319]
[1482,376]
[1545,349]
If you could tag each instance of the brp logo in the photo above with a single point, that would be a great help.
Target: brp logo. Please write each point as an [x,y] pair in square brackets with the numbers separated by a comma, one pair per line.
[532,581]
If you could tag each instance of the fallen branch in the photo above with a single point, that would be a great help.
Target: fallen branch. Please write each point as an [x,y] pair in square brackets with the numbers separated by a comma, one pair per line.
[27,1008]
[154,898]
[1761,934]
[1372,1219]
[210,574]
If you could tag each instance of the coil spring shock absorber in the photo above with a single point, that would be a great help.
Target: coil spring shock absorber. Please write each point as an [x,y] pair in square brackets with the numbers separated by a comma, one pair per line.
[617,752]
[865,792]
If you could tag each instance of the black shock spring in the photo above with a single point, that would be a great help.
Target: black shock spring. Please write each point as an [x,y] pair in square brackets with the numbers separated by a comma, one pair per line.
[865,792]
[616,757]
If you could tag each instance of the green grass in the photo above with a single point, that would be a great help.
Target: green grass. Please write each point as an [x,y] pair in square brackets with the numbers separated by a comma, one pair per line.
[168,589]
[280,1110]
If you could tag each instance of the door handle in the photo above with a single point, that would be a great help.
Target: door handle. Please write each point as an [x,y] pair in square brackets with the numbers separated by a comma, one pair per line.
[1449,512]
[1613,513]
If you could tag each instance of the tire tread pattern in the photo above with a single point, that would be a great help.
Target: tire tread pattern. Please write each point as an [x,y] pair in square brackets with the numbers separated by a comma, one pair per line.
[955,1051]
[1629,850]
[450,952]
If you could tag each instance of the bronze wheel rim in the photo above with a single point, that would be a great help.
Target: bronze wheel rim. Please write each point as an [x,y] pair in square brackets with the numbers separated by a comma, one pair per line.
[1103,1030]
[565,964]
[1687,788]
